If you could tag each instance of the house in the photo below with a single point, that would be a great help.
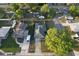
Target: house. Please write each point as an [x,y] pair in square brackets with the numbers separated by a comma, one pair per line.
[20,30]
[4,33]
[40,31]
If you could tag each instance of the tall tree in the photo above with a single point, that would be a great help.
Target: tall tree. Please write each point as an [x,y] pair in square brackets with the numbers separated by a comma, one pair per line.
[14,6]
[59,42]
[51,13]
[18,14]
[77,11]
[45,9]
[72,10]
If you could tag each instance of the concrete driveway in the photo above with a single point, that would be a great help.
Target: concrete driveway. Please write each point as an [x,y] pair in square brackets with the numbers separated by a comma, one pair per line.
[24,48]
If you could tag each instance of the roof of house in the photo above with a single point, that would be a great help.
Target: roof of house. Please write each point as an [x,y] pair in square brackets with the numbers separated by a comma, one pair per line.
[41,29]
[22,26]
[4,31]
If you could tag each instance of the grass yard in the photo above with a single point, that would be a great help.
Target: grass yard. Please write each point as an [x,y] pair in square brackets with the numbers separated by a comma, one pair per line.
[9,44]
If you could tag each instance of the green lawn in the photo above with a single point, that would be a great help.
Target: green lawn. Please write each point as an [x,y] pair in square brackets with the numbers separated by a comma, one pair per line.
[9,44]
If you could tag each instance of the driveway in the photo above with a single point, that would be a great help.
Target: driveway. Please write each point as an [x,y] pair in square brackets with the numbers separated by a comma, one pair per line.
[24,48]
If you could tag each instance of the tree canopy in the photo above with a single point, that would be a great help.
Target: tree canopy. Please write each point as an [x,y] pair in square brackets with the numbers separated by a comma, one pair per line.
[74,10]
[59,42]
[44,8]
[14,7]
[51,13]
[18,14]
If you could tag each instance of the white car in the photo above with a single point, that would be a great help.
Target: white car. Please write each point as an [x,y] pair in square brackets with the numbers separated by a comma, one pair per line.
[27,38]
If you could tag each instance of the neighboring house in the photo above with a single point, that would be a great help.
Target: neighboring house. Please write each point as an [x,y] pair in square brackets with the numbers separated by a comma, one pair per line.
[4,33]
[40,31]
[5,25]
[8,21]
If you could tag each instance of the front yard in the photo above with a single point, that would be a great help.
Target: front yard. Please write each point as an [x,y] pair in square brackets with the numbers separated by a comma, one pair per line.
[9,44]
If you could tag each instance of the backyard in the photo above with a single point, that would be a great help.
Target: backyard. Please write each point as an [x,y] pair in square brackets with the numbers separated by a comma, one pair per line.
[9,44]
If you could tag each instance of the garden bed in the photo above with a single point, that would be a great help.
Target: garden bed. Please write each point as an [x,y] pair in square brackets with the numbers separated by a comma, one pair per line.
[9,44]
